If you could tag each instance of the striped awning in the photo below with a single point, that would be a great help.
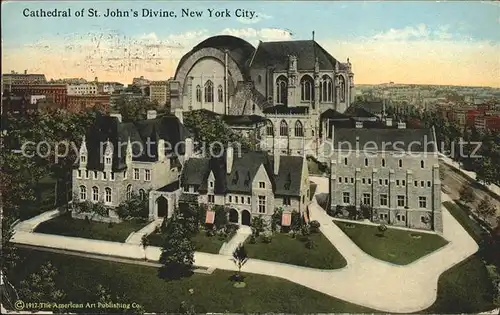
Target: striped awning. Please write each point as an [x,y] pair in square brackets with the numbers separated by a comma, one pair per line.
[286,219]
[210,217]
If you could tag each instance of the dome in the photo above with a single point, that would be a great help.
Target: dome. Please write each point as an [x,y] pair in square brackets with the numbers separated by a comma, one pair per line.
[240,50]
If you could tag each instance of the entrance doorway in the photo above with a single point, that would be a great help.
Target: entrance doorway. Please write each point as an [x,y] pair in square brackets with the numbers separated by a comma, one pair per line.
[245,217]
[233,216]
[162,206]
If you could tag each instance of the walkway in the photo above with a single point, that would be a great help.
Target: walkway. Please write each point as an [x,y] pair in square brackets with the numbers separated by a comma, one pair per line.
[31,224]
[364,281]
[136,237]
[239,238]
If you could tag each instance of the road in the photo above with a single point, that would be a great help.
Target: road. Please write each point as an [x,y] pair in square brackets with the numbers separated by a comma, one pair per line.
[454,181]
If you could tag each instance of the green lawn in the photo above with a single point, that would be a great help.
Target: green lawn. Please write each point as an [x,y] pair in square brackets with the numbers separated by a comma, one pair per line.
[465,288]
[396,246]
[78,277]
[283,248]
[67,226]
[474,230]
[202,242]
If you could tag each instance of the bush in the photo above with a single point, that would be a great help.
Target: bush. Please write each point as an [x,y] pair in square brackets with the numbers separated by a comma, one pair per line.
[267,237]
[252,240]
[305,231]
[314,226]
[210,233]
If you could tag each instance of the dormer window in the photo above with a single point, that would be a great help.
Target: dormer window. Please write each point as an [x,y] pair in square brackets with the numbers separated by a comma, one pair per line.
[262,185]
[83,159]
[211,183]
[108,160]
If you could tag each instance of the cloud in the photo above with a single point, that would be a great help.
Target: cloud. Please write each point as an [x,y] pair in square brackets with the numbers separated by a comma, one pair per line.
[259,17]
[419,31]
[264,34]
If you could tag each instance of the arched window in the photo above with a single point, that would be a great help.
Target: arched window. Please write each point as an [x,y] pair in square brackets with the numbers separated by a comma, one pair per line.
[220,94]
[209,92]
[107,195]
[142,194]
[299,129]
[269,128]
[83,193]
[326,89]
[400,163]
[198,93]
[283,128]
[129,192]
[366,162]
[342,88]
[307,88]
[95,193]
[281,90]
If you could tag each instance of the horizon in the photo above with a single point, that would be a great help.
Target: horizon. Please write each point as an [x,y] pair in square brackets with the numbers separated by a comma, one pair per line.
[410,43]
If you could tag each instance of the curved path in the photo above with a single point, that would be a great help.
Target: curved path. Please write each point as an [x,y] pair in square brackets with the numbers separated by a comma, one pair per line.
[365,280]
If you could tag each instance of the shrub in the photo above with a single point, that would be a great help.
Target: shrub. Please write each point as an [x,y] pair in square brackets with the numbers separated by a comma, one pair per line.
[252,240]
[314,226]
[267,237]
[305,231]
[210,233]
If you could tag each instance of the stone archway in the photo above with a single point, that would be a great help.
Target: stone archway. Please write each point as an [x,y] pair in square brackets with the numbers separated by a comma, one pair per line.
[162,206]
[246,218]
[234,216]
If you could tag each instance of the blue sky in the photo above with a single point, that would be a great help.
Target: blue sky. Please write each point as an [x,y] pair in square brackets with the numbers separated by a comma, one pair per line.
[337,25]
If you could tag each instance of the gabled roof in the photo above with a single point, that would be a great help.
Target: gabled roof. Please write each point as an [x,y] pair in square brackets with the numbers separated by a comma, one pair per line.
[196,172]
[333,114]
[106,128]
[276,54]
[354,111]
[283,109]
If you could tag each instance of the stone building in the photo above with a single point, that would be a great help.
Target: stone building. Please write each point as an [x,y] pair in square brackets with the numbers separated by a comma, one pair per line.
[248,183]
[14,78]
[119,159]
[159,92]
[289,82]
[391,169]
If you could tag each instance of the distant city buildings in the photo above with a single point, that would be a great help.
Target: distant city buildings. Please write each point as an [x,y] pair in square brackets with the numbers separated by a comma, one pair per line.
[78,103]
[14,78]
[159,92]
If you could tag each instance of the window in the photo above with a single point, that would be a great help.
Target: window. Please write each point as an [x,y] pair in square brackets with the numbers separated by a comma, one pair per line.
[147,175]
[386,182]
[86,174]
[340,179]
[401,201]
[104,175]
[136,174]
[269,128]
[262,204]
[112,176]
[283,128]
[342,88]
[422,164]
[366,199]
[422,202]
[211,198]
[198,93]
[95,193]
[83,159]
[345,161]
[124,175]
[249,201]
[326,89]
[307,88]
[142,194]
[380,182]
[95,175]
[369,181]
[383,200]
[366,162]
[404,182]
[79,174]
[415,183]
[281,90]
[383,216]
[400,163]
[352,180]
[108,160]
[286,201]
[129,192]
[209,92]
[262,185]
[346,198]
[346,180]
[401,217]
[236,199]
[186,188]
[211,183]
[421,183]
[428,183]
[397,182]
[363,181]
[299,130]
[383,162]
[220,94]
[83,193]
[107,195]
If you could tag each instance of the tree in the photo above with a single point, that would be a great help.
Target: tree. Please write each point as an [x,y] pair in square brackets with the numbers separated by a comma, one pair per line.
[40,287]
[145,243]
[134,208]
[258,224]
[186,308]
[296,223]
[240,258]
[221,218]
[177,254]
[382,228]
[134,108]
[467,193]
[485,209]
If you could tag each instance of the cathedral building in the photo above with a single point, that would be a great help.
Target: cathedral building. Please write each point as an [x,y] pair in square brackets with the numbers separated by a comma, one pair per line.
[290,83]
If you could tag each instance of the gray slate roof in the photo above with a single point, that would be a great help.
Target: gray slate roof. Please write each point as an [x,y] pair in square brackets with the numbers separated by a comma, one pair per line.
[244,169]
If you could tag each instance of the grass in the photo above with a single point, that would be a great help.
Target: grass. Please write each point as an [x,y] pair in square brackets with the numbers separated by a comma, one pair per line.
[460,214]
[67,226]
[78,277]
[285,249]
[202,242]
[465,288]
[396,246]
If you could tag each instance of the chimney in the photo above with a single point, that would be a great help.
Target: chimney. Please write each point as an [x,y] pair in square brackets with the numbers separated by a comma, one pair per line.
[117,115]
[388,121]
[179,115]
[151,114]
[359,124]
[161,150]
[188,148]
[276,162]
[401,125]
[229,159]
[25,71]
[95,79]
